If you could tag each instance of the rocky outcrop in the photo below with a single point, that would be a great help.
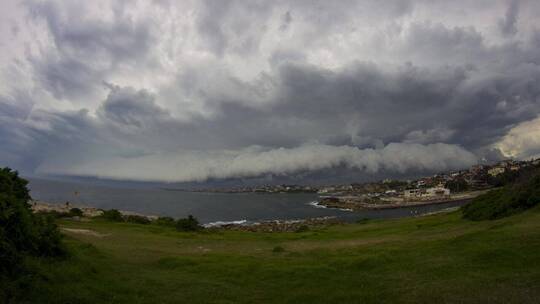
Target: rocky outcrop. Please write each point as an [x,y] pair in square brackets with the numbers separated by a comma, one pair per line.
[283,226]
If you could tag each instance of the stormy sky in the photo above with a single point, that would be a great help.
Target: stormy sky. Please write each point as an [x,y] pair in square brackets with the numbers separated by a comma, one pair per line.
[183,91]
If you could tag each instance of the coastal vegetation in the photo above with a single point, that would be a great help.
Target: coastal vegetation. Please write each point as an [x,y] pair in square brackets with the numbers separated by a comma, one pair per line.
[521,192]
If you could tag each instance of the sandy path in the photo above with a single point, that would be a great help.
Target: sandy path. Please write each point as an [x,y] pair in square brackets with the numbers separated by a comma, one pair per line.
[85,232]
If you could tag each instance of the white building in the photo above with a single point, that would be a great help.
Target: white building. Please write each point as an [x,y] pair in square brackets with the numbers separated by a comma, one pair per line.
[434,192]
[437,191]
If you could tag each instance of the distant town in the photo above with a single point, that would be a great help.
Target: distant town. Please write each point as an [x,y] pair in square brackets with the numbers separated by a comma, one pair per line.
[390,193]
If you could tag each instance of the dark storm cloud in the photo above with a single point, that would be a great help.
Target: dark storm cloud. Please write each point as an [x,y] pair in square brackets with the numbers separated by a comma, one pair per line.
[85,50]
[242,89]
[130,107]
[507,25]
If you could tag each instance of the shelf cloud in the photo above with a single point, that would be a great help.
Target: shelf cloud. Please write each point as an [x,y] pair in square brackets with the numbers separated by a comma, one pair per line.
[186,166]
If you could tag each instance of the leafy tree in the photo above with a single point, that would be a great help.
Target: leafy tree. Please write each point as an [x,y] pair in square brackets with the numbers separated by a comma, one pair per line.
[22,233]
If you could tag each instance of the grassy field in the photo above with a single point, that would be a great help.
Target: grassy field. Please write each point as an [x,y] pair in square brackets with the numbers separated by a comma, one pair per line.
[433,259]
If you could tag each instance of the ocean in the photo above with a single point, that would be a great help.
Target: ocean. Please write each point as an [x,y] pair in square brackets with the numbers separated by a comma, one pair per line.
[207,207]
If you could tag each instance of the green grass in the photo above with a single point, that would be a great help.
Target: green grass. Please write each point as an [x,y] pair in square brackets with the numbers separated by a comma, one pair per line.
[434,259]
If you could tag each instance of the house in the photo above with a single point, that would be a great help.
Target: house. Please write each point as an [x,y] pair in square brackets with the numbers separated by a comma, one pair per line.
[412,192]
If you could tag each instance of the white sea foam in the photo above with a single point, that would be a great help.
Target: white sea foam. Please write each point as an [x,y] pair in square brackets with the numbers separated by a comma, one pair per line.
[316,205]
[223,223]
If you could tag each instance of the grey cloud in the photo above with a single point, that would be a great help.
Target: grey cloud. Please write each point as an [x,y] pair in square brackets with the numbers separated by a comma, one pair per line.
[507,25]
[130,107]
[286,21]
[67,78]
[233,26]
[86,50]
[118,40]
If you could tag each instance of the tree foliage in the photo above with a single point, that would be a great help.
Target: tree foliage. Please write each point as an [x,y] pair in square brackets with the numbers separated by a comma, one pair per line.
[22,233]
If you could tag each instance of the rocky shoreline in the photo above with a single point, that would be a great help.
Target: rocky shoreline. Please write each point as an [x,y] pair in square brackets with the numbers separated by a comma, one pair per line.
[282,225]
[260,226]
[87,212]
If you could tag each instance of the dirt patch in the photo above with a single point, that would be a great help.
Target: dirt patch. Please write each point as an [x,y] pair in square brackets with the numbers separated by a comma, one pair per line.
[85,232]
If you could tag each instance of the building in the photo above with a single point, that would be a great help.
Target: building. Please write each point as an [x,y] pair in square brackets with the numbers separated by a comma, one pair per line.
[412,193]
[438,191]
[390,192]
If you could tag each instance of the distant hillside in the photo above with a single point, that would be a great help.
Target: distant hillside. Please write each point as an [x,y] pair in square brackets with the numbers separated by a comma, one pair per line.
[520,192]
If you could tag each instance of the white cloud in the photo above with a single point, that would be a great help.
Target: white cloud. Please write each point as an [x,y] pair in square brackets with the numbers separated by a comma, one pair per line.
[522,141]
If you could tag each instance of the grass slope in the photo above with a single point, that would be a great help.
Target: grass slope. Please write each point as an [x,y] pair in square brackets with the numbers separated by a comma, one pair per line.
[434,259]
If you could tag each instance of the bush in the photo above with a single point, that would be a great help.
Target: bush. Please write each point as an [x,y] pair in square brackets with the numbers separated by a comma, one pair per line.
[363,220]
[49,237]
[137,219]
[505,201]
[165,221]
[188,224]
[112,215]
[278,249]
[53,213]
[302,228]
[75,212]
[22,233]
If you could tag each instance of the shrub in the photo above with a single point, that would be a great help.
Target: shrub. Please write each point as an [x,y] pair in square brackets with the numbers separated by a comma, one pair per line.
[188,224]
[278,249]
[75,212]
[48,237]
[137,219]
[165,221]
[363,220]
[302,228]
[112,215]
[53,213]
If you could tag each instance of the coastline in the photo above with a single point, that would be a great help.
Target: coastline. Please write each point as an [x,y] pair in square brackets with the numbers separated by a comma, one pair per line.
[290,225]
[346,203]
[88,212]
